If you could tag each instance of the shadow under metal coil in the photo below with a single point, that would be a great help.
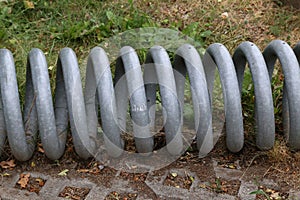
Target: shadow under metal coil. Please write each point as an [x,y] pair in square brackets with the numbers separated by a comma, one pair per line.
[78,109]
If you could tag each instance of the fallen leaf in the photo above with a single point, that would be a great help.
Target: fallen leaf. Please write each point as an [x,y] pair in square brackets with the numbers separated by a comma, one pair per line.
[6,174]
[83,170]
[192,178]
[24,179]
[28,4]
[275,195]
[32,164]
[8,164]
[224,15]
[136,178]
[224,189]
[63,172]
[40,181]
[33,189]
[174,174]
[40,149]
[268,190]
[95,170]
[231,166]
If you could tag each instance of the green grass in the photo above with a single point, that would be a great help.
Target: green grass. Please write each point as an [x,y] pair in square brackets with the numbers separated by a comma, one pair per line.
[52,25]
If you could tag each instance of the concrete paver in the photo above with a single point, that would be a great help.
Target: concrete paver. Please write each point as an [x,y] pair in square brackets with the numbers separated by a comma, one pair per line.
[53,186]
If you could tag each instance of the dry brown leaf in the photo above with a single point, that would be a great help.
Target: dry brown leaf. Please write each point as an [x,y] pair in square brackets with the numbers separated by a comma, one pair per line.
[24,179]
[8,164]
[224,15]
[29,4]
[94,170]
[40,181]
[83,170]
[40,148]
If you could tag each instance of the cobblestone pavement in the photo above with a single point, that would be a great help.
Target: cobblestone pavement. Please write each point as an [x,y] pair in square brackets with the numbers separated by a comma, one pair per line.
[53,186]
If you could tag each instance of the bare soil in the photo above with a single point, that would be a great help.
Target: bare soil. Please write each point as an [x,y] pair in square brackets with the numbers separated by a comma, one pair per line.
[74,193]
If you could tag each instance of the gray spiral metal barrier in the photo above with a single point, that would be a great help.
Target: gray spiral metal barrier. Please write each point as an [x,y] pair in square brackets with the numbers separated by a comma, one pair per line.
[79,109]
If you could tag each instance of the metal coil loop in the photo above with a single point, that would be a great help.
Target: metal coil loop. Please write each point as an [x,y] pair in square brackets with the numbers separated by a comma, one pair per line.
[131,83]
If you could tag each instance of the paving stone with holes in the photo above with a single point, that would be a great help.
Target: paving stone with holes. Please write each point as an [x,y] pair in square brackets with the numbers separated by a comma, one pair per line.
[62,188]
[156,183]
[245,189]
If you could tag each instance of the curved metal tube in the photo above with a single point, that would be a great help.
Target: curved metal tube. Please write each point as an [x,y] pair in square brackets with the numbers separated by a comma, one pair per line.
[39,111]
[291,91]
[231,94]
[13,122]
[188,61]
[264,111]
[129,75]
[99,85]
[158,69]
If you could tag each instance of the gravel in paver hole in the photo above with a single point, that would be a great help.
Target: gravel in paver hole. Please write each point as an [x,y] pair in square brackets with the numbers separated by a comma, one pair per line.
[124,196]
[74,193]
[32,184]
[179,181]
